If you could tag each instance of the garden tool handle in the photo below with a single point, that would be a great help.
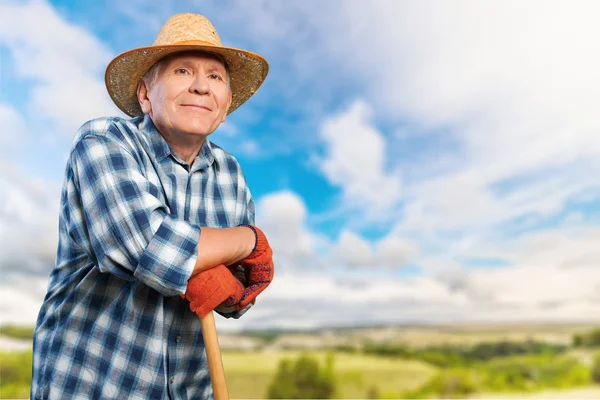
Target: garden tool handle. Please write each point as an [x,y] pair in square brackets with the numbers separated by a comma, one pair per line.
[213,353]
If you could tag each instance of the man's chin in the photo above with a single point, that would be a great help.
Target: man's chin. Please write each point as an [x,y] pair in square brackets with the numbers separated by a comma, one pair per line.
[197,131]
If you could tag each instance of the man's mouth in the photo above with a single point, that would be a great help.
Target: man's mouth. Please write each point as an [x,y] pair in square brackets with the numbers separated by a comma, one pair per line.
[198,106]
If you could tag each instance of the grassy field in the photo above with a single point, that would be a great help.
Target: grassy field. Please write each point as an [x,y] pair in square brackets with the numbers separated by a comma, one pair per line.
[357,375]
[589,393]
[249,374]
[15,374]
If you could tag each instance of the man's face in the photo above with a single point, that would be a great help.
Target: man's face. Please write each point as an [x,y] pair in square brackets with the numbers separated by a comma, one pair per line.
[189,96]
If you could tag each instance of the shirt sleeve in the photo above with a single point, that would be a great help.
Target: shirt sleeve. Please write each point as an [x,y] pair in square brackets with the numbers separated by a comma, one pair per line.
[129,228]
[246,218]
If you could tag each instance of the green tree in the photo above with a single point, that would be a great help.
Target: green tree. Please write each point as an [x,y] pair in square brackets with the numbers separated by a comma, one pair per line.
[596,369]
[17,332]
[456,384]
[589,339]
[283,385]
[304,379]
[373,392]
[452,383]
[594,337]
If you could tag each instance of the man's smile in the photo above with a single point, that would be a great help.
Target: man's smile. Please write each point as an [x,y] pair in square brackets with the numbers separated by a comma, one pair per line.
[197,106]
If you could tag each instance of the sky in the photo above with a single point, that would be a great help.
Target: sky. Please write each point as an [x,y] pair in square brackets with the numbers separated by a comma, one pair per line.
[411,161]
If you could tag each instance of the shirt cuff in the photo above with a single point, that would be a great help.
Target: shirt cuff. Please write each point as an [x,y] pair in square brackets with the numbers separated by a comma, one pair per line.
[233,314]
[169,259]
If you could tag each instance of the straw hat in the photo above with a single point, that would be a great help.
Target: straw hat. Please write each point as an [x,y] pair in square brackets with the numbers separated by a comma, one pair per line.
[182,32]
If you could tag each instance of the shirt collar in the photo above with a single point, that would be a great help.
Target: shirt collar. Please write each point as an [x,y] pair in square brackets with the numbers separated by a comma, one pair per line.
[157,143]
[161,148]
[205,157]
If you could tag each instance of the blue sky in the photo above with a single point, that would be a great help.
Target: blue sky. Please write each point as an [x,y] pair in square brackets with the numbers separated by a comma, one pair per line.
[410,161]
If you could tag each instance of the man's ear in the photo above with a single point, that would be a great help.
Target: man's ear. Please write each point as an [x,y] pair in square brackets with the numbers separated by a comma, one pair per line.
[228,105]
[142,95]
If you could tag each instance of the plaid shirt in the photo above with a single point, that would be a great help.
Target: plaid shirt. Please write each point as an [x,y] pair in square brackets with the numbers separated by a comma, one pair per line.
[112,324]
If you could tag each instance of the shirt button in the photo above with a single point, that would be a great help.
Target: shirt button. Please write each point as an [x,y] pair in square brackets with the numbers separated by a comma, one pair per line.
[172,379]
[178,339]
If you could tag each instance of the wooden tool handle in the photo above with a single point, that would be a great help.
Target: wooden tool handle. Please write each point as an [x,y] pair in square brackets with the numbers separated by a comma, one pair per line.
[213,353]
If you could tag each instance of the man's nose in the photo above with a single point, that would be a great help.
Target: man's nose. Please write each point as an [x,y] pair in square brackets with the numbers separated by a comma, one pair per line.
[200,84]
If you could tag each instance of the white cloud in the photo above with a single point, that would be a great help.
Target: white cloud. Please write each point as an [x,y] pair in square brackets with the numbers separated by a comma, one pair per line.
[28,224]
[542,283]
[549,267]
[29,235]
[282,216]
[512,294]
[61,66]
[283,208]
[21,299]
[354,250]
[355,158]
[15,132]
[514,82]
[469,58]
[64,61]
[565,249]
[392,251]
[537,286]
[395,251]
[465,201]
[250,148]
[228,129]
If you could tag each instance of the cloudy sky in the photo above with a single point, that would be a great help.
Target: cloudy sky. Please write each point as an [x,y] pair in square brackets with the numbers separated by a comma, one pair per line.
[414,161]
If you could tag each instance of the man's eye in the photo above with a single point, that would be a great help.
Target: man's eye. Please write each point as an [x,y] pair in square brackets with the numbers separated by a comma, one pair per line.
[181,71]
[215,76]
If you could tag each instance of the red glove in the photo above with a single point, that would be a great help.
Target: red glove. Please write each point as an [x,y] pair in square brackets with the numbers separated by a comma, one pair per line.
[211,288]
[258,268]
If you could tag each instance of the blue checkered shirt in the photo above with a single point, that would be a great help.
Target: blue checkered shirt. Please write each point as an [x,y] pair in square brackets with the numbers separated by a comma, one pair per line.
[112,324]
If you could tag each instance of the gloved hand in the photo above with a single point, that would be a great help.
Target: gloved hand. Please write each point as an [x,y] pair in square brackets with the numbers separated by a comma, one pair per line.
[258,268]
[211,288]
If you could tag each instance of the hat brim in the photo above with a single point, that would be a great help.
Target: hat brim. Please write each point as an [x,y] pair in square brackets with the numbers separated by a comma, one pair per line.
[247,72]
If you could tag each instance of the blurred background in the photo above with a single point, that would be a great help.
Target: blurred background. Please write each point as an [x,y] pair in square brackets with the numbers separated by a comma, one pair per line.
[426,172]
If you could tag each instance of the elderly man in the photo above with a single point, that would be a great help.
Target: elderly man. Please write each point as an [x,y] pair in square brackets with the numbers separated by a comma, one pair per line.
[155,229]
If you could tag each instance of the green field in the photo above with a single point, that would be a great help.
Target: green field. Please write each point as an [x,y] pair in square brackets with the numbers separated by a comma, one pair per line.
[400,363]
[249,374]
[15,374]
[588,393]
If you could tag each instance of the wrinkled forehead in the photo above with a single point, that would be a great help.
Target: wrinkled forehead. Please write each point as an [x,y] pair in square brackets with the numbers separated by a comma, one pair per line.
[194,55]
